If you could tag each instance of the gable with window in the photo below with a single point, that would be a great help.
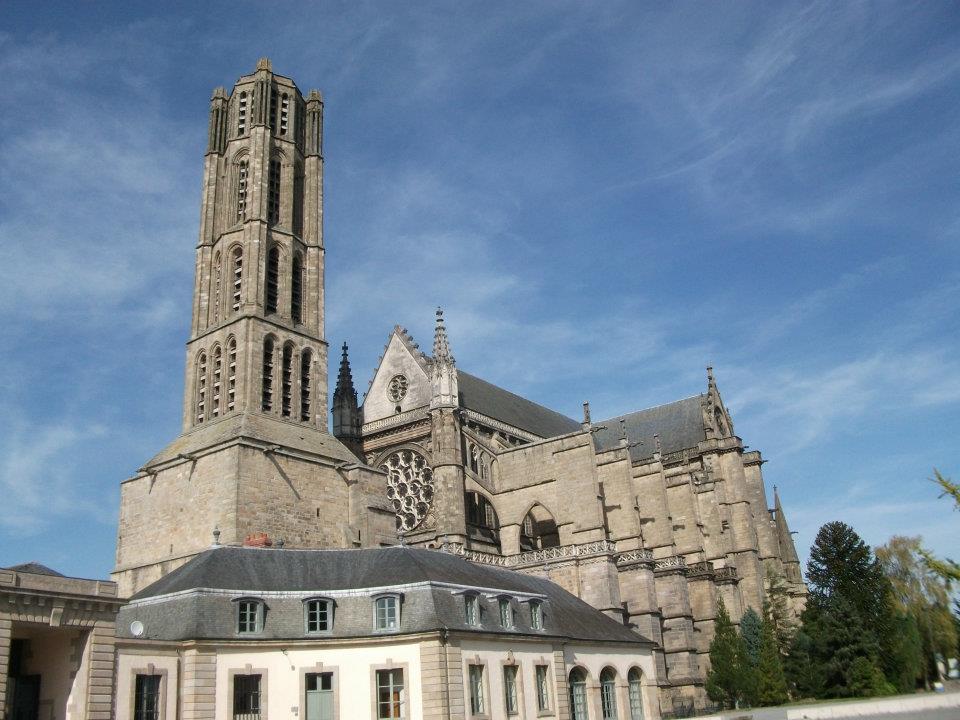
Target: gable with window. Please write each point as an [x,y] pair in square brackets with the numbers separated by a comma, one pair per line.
[471,609]
[506,612]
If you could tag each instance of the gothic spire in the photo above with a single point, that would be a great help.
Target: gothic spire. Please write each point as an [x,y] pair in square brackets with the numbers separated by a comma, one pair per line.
[788,552]
[345,378]
[441,346]
[346,413]
[443,374]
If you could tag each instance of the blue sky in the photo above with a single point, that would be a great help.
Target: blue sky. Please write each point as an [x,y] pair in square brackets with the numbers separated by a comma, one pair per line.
[605,198]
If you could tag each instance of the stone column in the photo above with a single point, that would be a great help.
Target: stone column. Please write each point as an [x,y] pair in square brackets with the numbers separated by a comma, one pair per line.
[562,698]
[198,692]
[441,681]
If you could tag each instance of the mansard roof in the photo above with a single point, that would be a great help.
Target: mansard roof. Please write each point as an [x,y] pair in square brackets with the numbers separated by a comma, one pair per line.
[184,604]
[679,425]
[495,402]
[35,568]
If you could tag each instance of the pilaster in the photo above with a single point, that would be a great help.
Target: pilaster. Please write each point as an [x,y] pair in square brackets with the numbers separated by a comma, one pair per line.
[198,692]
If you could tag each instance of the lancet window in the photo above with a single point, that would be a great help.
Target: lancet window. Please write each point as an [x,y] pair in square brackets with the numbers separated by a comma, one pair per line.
[237,264]
[306,361]
[243,173]
[273,279]
[217,379]
[201,381]
[242,114]
[273,198]
[296,290]
[218,280]
[231,374]
[266,381]
[286,381]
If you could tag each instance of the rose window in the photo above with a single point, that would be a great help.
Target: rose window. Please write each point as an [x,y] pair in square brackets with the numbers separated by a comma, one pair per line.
[409,487]
[397,388]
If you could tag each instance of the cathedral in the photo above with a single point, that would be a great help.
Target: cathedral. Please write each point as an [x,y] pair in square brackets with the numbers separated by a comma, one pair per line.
[651,518]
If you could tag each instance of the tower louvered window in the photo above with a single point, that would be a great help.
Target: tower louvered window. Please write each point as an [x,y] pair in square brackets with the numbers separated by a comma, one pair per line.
[266,397]
[237,277]
[217,379]
[273,110]
[201,380]
[284,113]
[273,279]
[286,382]
[243,171]
[273,200]
[296,290]
[231,374]
[217,273]
[242,114]
[306,359]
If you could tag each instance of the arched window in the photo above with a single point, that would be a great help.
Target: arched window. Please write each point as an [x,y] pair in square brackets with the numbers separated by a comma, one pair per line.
[286,381]
[273,110]
[608,694]
[243,172]
[217,378]
[482,521]
[242,114]
[296,290]
[284,113]
[718,421]
[539,530]
[273,279]
[578,694]
[217,282]
[201,381]
[237,266]
[273,196]
[231,374]
[306,361]
[266,381]
[635,694]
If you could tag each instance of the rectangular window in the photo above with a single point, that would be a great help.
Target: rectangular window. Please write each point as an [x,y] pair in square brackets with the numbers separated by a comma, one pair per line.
[510,689]
[391,700]
[536,615]
[476,690]
[248,616]
[543,688]
[146,698]
[273,195]
[319,617]
[506,613]
[246,697]
[319,699]
[471,604]
[387,616]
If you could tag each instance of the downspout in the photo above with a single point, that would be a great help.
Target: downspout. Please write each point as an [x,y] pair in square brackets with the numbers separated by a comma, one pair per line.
[446,671]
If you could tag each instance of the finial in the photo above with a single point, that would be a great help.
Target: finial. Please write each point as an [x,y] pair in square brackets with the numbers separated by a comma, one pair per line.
[441,345]
[216,535]
[315,95]
[264,64]
[586,413]
[710,381]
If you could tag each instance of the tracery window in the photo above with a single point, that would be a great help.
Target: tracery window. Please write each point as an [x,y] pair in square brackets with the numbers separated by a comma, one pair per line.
[231,374]
[237,276]
[273,279]
[306,360]
[201,380]
[242,114]
[409,487]
[296,290]
[286,381]
[243,172]
[217,377]
[266,398]
[217,273]
[273,196]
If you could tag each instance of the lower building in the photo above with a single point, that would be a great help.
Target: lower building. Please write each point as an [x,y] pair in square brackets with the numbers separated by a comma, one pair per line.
[256,634]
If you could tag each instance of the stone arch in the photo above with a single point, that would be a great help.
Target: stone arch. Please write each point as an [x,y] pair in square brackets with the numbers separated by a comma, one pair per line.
[483,524]
[538,529]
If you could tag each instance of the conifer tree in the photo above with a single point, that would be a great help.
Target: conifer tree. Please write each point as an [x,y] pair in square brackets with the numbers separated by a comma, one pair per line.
[783,619]
[750,631]
[728,681]
[771,681]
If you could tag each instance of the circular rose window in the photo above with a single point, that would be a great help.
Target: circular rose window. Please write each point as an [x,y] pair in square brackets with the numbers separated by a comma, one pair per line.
[397,388]
[409,487]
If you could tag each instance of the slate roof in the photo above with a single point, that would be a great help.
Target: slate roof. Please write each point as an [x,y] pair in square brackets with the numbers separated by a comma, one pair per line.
[500,404]
[249,571]
[679,424]
[35,568]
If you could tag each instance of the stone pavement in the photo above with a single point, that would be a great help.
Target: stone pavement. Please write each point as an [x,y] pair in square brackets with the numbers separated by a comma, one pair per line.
[941,706]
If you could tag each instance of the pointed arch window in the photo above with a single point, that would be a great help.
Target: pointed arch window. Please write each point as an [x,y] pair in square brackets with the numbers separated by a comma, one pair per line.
[273,110]
[273,279]
[218,281]
[266,397]
[243,173]
[296,290]
[231,374]
[237,272]
[242,114]
[306,361]
[273,197]
[217,379]
[201,395]
[286,381]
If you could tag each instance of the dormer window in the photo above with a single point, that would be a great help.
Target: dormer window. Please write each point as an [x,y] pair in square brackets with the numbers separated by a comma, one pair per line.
[471,607]
[506,612]
[386,613]
[249,616]
[318,615]
[536,615]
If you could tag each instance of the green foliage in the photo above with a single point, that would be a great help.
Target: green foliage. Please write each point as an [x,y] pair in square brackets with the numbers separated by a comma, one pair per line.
[771,683]
[779,612]
[805,674]
[945,567]
[903,658]
[750,631]
[729,681]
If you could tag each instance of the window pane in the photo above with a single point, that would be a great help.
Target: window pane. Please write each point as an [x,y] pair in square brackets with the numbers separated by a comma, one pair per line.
[608,697]
[390,694]
[147,697]
[246,697]
[476,689]
[510,689]
[636,697]
[543,692]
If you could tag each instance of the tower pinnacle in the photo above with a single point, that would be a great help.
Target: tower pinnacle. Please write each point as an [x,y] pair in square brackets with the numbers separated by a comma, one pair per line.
[443,378]
[346,413]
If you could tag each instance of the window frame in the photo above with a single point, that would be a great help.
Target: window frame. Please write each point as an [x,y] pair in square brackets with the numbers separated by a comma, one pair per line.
[511,670]
[248,672]
[578,690]
[258,619]
[536,614]
[397,602]
[150,671]
[471,601]
[319,669]
[609,709]
[506,612]
[635,702]
[329,611]
[476,689]
[543,690]
[404,700]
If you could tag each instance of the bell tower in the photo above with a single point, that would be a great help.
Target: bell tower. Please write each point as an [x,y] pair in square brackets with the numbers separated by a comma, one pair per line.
[254,458]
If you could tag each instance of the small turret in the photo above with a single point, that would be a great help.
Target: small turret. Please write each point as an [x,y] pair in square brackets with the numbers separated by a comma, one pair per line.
[443,375]
[346,412]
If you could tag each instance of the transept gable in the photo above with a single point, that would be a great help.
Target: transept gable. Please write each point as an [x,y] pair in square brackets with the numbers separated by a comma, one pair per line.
[401,381]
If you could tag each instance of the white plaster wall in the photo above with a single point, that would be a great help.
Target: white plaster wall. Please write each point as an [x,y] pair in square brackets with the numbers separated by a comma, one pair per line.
[397,360]
[129,663]
[494,655]
[52,656]
[354,677]
[595,658]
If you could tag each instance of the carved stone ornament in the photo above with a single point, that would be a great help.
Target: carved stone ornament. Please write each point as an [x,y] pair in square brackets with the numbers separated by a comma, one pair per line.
[409,487]
[397,388]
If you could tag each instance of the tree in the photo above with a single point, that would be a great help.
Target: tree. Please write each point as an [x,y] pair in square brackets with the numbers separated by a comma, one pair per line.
[778,604]
[771,681]
[920,592]
[945,568]
[728,681]
[751,631]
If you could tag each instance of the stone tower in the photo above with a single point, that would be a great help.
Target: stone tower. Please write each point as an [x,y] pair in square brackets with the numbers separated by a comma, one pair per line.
[255,459]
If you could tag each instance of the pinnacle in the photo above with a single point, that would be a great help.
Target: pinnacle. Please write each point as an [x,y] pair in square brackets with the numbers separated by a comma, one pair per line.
[441,345]
[345,377]
[264,64]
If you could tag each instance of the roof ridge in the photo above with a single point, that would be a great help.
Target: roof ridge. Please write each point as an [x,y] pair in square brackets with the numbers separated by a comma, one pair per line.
[653,407]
